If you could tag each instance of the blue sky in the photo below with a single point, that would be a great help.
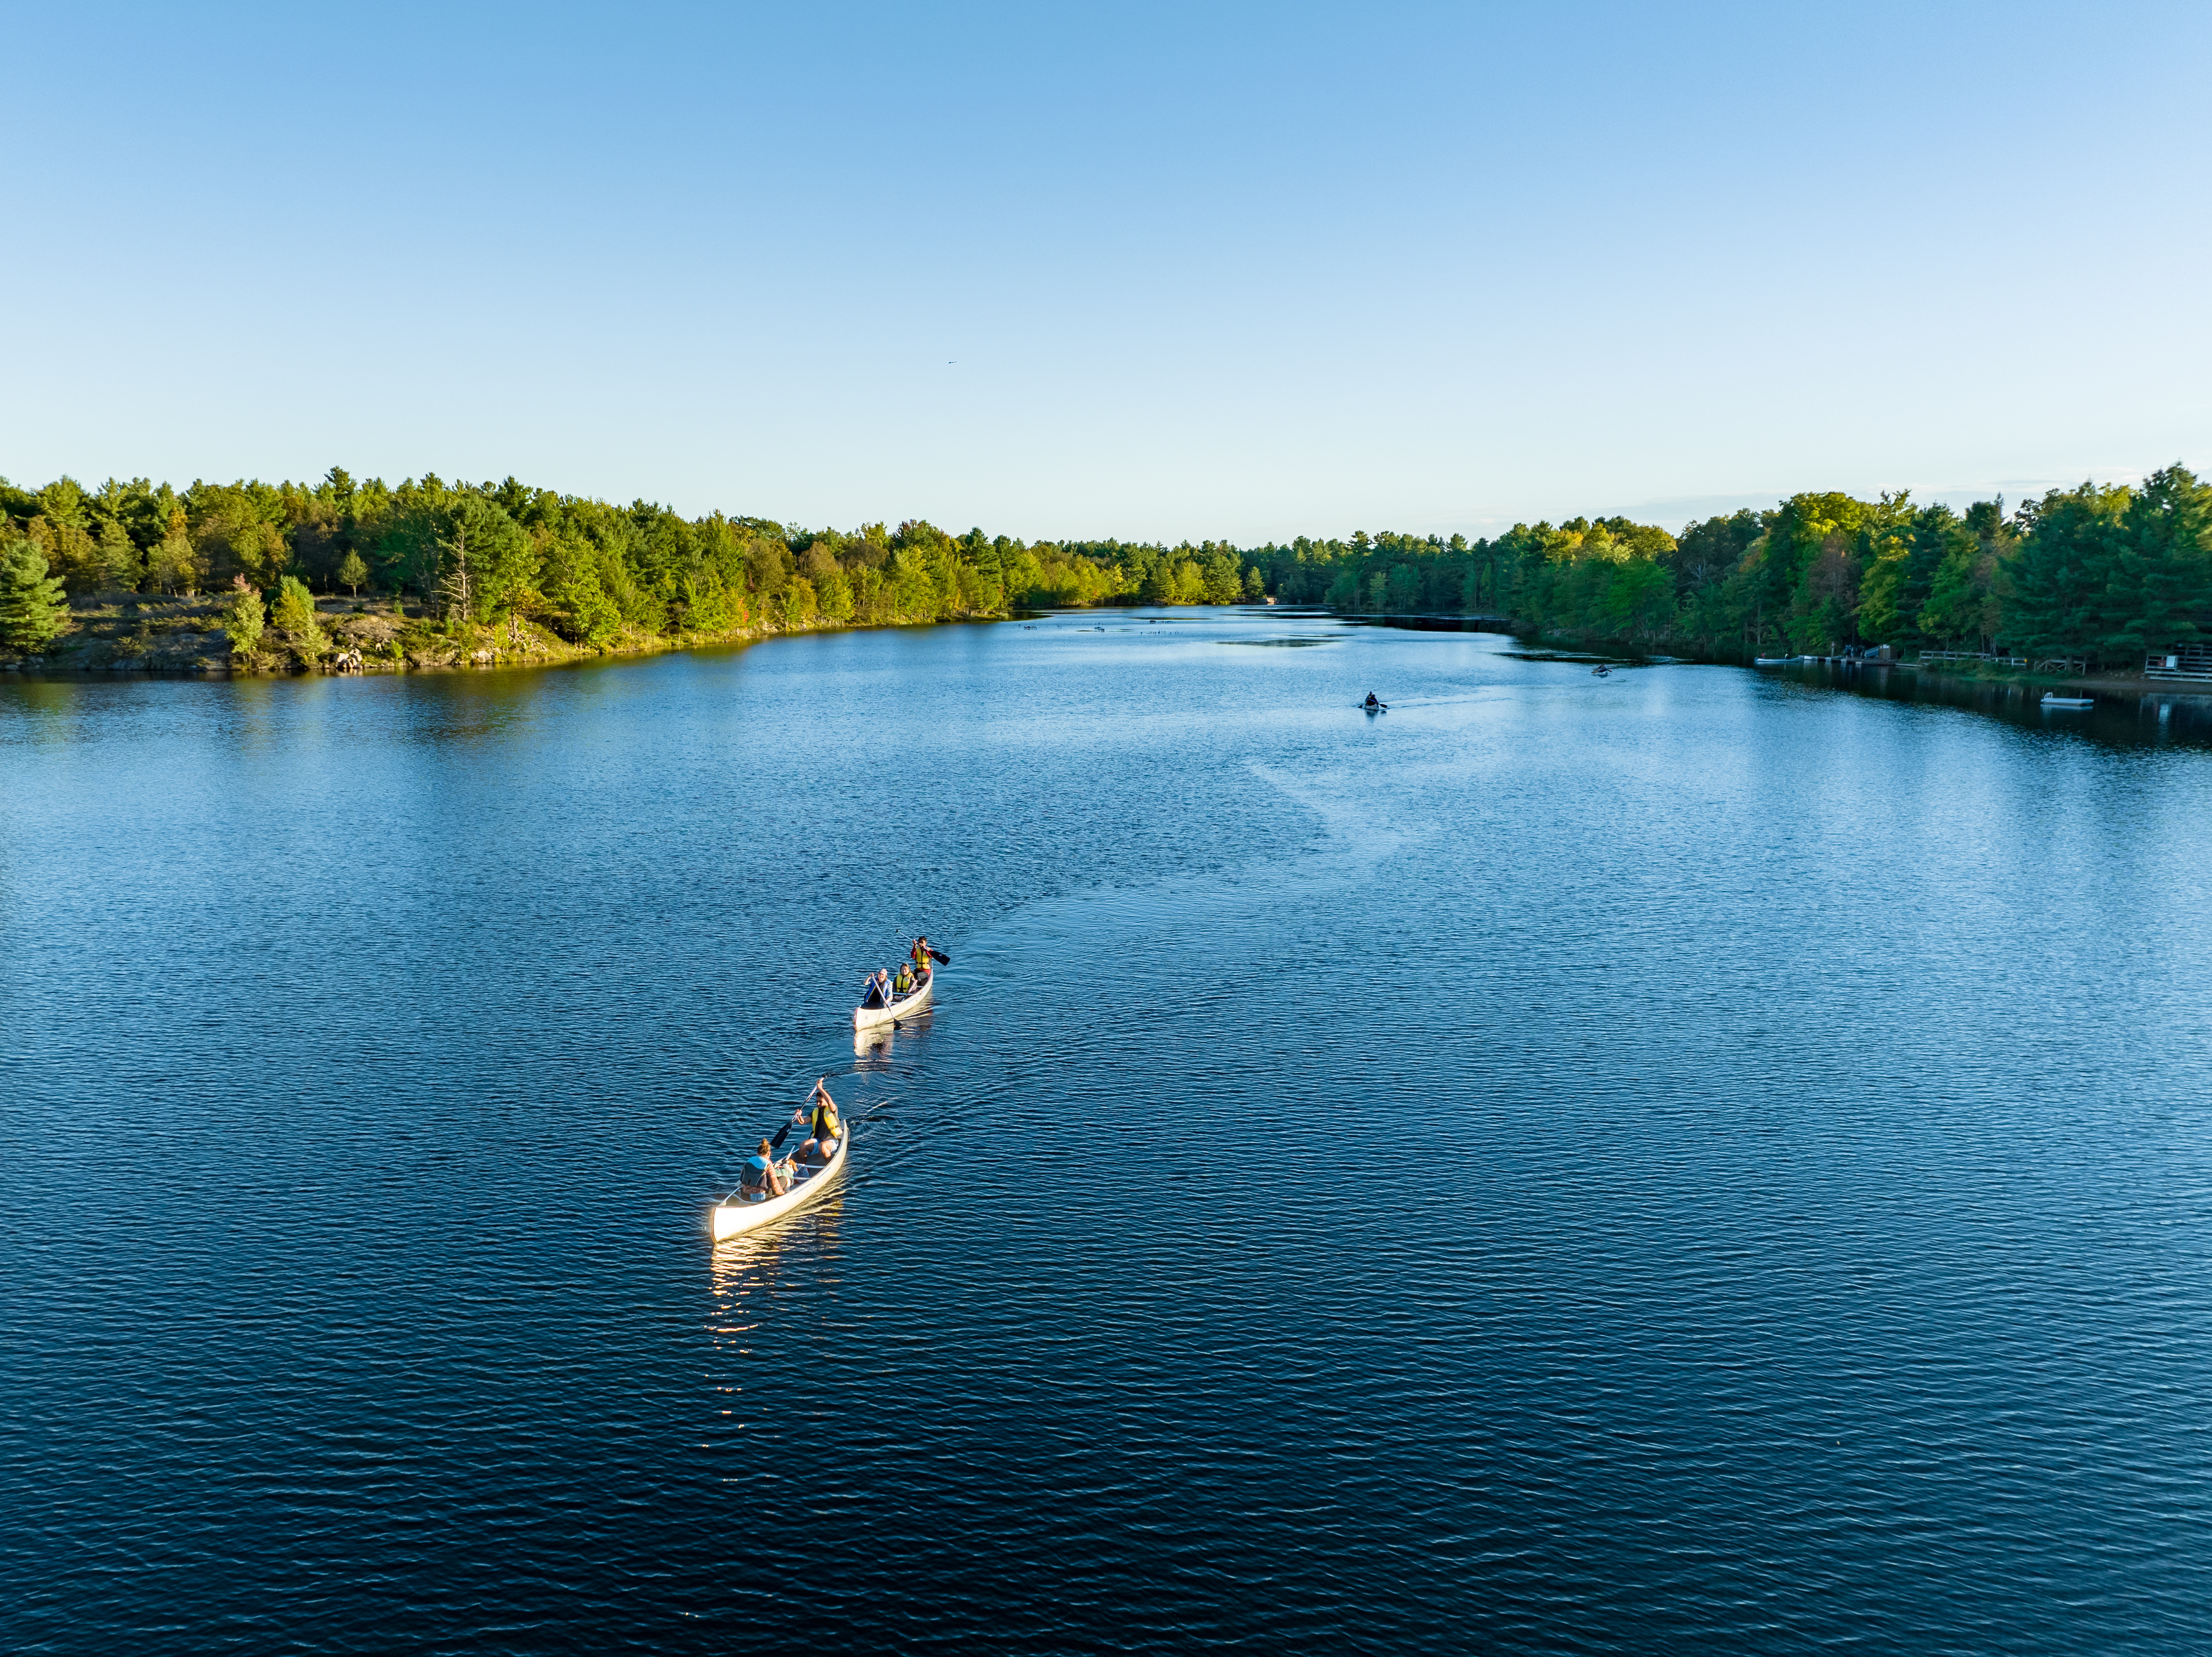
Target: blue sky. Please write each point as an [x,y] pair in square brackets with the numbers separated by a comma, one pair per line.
[1194,271]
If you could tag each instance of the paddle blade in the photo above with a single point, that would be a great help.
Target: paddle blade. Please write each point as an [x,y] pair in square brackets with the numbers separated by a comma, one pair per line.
[940,957]
[781,1134]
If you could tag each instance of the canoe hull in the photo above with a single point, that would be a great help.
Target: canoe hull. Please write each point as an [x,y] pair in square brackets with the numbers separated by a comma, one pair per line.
[735,1219]
[867,1018]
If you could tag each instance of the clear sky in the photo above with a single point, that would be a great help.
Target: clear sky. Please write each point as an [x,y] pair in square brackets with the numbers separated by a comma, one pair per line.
[1240,270]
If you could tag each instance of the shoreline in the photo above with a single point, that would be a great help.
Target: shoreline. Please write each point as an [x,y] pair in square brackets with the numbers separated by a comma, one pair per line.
[132,635]
[1621,650]
[129,635]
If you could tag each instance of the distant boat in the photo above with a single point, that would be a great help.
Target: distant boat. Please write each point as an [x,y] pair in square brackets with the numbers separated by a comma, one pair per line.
[1772,661]
[2051,701]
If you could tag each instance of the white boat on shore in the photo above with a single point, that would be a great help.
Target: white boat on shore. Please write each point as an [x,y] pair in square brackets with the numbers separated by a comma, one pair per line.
[2051,700]
[1772,661]
[738,1214]
[865,1017]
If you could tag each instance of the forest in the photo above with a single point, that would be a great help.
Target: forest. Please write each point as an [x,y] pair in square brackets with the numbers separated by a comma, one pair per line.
[2097,573]
[2100,573]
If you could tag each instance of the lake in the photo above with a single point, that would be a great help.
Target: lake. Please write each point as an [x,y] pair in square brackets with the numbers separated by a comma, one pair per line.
[1683,1159]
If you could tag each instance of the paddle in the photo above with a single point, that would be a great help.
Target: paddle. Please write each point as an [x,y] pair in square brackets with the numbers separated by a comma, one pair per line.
[799,1116]
[784,1132]
[935,954]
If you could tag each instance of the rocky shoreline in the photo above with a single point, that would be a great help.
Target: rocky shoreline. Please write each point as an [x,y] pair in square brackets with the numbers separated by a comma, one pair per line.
[131,633]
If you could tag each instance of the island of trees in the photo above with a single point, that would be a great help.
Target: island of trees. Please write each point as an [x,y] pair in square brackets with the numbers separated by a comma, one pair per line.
[426,573]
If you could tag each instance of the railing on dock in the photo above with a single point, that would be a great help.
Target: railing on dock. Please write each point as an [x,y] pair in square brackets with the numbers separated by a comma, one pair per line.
[1973,655]
[2184,661]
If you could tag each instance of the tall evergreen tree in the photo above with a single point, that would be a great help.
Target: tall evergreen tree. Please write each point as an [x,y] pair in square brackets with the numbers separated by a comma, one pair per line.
[31,602]
[2160,590]
[2059,577]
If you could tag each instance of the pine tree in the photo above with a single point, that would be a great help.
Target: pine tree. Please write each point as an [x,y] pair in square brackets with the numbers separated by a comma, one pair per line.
[243,619]
[120,564]
[456,589]
[2161,583]
[31,603]
[293,614]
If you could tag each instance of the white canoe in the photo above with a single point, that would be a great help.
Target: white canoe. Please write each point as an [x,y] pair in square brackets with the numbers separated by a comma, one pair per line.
[2050,701]
[1772,661]
[902,1007]
[736,1215]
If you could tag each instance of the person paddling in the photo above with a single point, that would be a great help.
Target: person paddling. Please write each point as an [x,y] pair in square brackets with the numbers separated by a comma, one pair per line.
[822,1129]
[919,956]
[762,1176]
[1372,700]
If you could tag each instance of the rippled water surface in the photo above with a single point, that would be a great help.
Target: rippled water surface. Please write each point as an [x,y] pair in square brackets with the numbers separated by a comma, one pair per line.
[1681,1159]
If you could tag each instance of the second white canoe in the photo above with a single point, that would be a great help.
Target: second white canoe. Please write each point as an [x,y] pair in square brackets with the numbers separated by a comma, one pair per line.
[906,1005]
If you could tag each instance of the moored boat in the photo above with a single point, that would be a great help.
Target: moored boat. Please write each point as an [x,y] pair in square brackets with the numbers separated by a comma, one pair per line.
[2051,700]
[1772,661]
[736,1214]
[865,1017]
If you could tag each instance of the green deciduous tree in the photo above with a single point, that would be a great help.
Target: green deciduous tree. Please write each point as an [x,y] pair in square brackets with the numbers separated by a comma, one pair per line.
[587,615]
[171,565]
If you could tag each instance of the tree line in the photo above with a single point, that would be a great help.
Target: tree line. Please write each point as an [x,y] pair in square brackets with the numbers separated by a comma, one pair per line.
[588,570]
[2104,571]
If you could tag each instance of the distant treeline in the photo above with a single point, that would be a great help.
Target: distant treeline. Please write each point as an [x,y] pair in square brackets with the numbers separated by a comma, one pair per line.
[2105,572]
[2101,571]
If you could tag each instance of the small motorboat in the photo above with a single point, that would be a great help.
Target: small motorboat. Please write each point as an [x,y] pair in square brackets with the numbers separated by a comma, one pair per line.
[866,1017]
[2052,700]
[738,1213]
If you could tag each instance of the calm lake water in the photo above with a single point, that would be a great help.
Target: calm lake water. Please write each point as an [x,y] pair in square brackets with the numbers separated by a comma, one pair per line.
[1683,1160]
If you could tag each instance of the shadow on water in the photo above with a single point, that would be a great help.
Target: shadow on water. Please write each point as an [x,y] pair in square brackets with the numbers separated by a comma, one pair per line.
[2150,718]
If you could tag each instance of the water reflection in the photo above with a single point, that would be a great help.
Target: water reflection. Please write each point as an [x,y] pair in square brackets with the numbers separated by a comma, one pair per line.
[749,1270]
[873,1048]
[2126,718]
[757,1282]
